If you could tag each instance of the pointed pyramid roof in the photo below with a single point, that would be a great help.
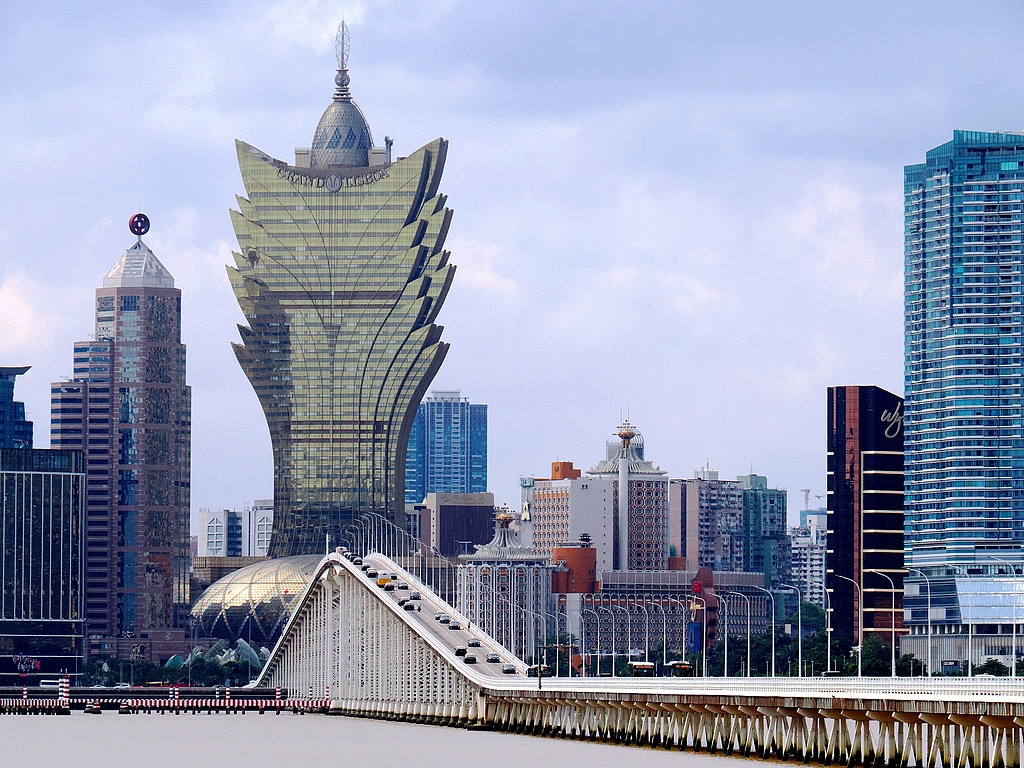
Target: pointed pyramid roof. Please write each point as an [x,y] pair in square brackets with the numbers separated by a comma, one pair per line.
[138,267]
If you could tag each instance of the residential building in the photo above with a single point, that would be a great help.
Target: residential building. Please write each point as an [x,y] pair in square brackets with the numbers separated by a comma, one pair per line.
[964,505]
[504,589]
[340,273]
[865,511]
[128,408]
[237,533]
[454,523]
[15,429]
[42,522]
[765,534]
[709,512]
[447,447]
[807,558]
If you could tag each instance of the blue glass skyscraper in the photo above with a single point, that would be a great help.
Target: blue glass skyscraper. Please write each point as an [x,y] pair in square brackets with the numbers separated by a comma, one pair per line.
[447,450]
[15,430]
[964,220]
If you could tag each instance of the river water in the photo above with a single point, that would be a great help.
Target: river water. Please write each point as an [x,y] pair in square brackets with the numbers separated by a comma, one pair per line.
[111,740]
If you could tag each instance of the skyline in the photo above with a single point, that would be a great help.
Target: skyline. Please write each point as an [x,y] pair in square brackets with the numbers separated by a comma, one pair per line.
[777,204]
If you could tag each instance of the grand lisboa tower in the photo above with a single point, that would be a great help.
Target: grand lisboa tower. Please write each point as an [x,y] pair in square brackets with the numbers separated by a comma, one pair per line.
[340,273]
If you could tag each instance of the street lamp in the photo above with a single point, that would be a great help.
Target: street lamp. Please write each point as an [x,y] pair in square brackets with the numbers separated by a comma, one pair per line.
[799,629]
[828,629]
[893,585]
[612,615]
[860,619]
[748,625]
[769,593]
[703,634]
[930,643]
[725,624]
[629,633]
[664,631]
[583,633]
[647,631]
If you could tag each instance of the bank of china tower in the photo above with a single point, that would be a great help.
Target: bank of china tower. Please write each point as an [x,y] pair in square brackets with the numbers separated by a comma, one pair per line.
[340,273]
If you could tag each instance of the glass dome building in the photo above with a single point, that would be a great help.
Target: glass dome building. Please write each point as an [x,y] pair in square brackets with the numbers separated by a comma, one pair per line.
[253,603]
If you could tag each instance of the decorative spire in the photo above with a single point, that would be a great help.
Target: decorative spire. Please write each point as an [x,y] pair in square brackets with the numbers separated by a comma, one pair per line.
[341,45]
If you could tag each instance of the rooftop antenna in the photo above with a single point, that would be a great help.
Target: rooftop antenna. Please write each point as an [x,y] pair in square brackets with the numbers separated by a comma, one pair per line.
[807,497]
[341,46]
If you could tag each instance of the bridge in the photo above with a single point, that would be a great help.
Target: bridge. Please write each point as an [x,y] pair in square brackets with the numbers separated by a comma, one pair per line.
[351,642]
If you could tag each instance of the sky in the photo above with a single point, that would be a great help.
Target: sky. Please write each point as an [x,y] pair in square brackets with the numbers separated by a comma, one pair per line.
[690,212]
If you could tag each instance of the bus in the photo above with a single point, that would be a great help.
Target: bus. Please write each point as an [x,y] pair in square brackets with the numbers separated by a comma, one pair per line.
[678,668]
[640,668]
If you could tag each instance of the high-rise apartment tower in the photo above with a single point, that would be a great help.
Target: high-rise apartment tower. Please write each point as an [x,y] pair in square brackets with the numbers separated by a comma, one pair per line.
[447,447]
[340,273]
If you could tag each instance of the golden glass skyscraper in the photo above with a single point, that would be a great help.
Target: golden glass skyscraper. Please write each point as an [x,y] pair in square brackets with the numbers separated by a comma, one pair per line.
[340,273]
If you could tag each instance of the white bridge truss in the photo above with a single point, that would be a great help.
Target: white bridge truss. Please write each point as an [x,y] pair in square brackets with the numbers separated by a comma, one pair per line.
[350,642]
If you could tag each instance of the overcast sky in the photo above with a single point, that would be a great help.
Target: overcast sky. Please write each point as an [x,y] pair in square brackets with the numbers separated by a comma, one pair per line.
[690,210]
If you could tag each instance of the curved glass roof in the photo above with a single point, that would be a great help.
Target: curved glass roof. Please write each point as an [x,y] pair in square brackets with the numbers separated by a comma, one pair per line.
[255,601]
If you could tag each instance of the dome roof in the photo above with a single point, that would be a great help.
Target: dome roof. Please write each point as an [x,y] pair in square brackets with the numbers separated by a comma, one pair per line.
[342,137]
[254,601]
[138,267]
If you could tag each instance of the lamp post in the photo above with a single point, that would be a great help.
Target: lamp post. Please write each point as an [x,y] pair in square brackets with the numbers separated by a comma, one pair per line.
[629,633]
[703,634]
[1013,572]
[799,629]
[611,614]
[828,629]
[684,614]
[647,630]
[725,623]
[664,632]
[748,625]
[930,643]
[583,641]
[893,585]
[860,619]
[768,592]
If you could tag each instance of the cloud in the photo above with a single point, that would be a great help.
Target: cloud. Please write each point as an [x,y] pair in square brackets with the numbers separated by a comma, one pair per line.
[31,314]
[835,226]
[477,267]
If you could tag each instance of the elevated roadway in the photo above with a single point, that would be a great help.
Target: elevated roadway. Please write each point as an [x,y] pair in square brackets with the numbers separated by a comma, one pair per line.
[350,641]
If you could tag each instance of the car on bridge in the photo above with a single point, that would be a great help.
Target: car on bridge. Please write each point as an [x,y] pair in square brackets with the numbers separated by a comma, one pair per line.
[454,625]
[509,669]
[474,642]
[460,650]
[443,617]
[414,596]
[493,658]
[470,658]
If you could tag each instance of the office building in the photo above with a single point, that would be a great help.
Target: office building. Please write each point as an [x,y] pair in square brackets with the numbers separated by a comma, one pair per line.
[236,533]
[964,506]
[865,511]
[128,408]
[504,588]
[765,533]
[340,273]
[454,523]
[15,429]
[42,521]
[447,447]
